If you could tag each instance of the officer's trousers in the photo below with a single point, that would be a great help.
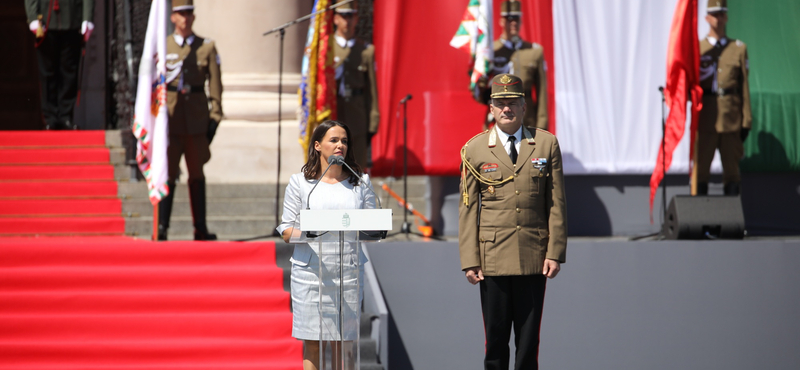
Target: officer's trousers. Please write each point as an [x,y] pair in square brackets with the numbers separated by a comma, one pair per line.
[517,301]
[195,148]
[59,56]
[731,150]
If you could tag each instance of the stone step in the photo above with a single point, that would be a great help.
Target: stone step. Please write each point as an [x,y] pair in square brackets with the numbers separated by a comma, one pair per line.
[138,190]
[417,189]
[214,207]
[233,227]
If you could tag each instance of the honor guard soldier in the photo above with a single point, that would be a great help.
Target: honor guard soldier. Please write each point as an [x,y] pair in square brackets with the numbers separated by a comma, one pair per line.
[725,118]
[512,223]
[61,27]
[513,55]
[356,89]
[191,60]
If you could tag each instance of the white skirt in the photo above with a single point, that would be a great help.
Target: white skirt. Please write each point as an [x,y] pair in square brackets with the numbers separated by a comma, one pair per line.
[308,316]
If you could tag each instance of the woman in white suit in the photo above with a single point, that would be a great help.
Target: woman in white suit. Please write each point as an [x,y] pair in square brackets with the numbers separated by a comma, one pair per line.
[337,189]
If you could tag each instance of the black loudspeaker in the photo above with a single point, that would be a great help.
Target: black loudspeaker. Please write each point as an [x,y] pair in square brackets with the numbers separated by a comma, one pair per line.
[704,217]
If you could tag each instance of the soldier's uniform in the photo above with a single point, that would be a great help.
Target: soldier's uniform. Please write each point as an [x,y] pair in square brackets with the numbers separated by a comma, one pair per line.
[59,55]
[192,124]
[356,89]
[725,118]
[512,217]
[525,60]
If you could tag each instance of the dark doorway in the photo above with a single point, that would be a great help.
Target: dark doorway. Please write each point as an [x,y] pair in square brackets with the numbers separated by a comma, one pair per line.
[19,80]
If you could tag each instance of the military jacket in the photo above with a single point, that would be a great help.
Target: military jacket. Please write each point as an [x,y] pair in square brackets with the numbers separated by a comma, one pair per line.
[526,61]
[70,14]
[724,72]
[510,229]
[188,68]
[357,90]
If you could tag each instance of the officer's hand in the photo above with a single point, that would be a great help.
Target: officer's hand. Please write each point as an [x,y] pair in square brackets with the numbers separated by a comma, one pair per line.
[745,132]
[474,275]
[34,26]
[212,129]
[551,268]
[86,30]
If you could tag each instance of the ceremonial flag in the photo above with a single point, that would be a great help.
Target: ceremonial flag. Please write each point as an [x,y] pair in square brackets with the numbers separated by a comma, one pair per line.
[474,36]
[683,78]
[317,92]
[150,121]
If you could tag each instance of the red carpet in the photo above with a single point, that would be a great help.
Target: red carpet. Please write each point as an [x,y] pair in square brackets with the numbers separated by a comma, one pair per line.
[57,183]
[119,303]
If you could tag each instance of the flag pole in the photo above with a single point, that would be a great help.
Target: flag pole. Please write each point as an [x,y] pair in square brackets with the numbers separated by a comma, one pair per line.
[155,222]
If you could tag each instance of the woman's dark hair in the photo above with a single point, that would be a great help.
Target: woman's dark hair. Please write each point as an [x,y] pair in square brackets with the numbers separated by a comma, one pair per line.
[313,168]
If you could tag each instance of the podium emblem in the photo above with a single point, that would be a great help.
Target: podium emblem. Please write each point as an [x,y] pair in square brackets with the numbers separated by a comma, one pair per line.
[346,220]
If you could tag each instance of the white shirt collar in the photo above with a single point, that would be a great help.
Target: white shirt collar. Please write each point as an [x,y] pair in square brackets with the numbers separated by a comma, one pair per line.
[513,45]
[345,43]
[179,39]
[504,136]
[713,41]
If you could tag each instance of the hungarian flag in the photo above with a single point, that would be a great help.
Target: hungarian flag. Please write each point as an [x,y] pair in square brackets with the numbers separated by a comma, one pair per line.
[150,120]
[683,79]
[317,92]
[474,36]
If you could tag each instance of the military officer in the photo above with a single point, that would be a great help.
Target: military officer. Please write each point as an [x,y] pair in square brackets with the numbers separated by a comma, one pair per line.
[191,60]
[516,56]
[725,119]
[512,223]
[357,91]
[61,28]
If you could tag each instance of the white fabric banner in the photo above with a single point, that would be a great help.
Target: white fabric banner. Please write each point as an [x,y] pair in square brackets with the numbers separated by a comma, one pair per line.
[611,58]
[150,120]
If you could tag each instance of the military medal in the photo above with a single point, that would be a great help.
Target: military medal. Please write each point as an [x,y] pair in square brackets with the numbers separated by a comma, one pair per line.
[491,189]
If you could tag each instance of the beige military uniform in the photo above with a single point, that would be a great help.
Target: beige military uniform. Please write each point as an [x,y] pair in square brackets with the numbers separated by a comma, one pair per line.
[188,68]
[509,228]
[357,93]
[726,107]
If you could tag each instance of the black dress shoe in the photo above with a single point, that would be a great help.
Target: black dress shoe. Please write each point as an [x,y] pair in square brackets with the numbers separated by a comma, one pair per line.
[162,233]
[69,126]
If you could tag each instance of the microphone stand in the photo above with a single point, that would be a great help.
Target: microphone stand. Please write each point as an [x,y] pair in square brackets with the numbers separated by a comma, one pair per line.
[406,227]
[282,32]
[660,233]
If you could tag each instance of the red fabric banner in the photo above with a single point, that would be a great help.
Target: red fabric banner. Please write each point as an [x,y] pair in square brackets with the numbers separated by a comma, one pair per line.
[413,56]
[683,78]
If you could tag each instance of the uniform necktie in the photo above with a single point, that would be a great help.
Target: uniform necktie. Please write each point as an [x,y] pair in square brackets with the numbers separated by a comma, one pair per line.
[513,152]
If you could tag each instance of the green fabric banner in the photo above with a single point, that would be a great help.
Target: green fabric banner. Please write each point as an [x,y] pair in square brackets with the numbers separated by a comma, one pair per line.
[772,33]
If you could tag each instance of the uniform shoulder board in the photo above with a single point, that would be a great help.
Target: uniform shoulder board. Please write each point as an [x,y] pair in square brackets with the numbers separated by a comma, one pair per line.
[545,131]
[474,137]
[207,41]
[739,43]
[536,46]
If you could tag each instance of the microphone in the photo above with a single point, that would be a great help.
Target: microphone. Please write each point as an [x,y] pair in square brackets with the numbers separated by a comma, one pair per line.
[373,234]
[661,88]
[404,100]
[336,159]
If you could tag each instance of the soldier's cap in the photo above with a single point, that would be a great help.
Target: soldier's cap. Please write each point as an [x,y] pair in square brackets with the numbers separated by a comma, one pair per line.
[716,6]
[507,86]
[178,5]
[346,8]
[510,8]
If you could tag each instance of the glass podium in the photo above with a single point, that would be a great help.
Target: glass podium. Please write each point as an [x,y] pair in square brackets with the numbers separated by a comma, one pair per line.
[336,236]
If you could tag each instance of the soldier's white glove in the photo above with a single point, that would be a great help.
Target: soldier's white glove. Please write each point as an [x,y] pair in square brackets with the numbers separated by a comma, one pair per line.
[86,30]
[34,26]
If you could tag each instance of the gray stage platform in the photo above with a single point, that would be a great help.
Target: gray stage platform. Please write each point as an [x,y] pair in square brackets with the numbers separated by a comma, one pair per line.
[615,305]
